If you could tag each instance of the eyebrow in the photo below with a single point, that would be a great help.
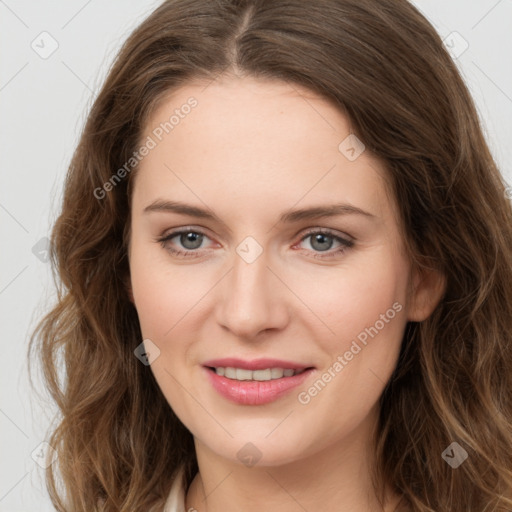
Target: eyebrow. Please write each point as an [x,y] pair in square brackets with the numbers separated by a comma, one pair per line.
[289,216]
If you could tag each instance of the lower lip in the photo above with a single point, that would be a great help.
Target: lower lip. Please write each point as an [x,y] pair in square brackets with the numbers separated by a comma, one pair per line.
[251,392]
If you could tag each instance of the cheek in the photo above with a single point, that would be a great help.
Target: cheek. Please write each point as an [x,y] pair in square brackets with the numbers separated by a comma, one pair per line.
[347,300]
[166,297]
[362,312]
[365,309]
[163,293]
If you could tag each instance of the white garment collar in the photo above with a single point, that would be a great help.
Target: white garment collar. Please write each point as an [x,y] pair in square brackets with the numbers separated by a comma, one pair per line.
[176,499]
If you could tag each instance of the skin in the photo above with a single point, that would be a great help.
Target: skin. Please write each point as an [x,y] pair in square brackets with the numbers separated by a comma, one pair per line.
[251,150]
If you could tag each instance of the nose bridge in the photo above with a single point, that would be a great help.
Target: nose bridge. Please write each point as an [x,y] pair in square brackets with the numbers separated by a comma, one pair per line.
[251,301]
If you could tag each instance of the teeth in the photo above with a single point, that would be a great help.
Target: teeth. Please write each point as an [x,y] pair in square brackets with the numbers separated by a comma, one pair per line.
[276,373]
[267,374]
[243,374]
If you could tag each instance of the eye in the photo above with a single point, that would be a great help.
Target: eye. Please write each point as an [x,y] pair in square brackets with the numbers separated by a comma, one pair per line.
[322,240]
[191,240]
[185,242]
[188,239]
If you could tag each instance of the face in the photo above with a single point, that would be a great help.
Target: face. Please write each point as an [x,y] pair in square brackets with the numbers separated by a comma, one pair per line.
[260,234]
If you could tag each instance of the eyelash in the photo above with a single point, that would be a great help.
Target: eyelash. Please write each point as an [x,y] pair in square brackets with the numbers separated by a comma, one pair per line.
[345,244]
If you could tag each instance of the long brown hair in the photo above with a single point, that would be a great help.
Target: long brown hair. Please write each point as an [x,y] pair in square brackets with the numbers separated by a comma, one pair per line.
[384,66]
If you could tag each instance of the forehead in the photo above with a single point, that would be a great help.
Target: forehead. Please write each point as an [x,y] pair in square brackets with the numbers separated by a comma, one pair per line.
[249,107]
[253,137]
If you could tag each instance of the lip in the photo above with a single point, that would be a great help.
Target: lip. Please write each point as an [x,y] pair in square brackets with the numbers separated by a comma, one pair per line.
[255,364]
[245,392]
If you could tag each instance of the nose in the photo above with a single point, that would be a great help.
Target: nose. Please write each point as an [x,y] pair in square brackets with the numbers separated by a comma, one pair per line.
[252,299]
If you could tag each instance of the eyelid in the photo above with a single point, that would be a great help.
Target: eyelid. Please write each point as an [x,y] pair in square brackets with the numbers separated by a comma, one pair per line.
[327,231]
[181,230]
[317,229]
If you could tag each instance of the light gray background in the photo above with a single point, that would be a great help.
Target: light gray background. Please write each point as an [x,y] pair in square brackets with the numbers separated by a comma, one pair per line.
[43,104]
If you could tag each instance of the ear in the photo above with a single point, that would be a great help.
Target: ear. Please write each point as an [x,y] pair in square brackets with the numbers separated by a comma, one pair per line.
[428,287]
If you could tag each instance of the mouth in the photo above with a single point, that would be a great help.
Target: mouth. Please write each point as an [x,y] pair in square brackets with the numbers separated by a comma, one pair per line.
[256,382]
[266,374]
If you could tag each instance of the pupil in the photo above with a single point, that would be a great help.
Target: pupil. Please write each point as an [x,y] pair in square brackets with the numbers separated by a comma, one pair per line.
[191,240]
[324,242]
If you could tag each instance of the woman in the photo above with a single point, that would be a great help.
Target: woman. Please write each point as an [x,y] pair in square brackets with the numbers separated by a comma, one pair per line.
[284,258]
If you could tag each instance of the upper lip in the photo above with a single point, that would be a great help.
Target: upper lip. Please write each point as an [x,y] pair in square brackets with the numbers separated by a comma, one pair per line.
[255,364]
